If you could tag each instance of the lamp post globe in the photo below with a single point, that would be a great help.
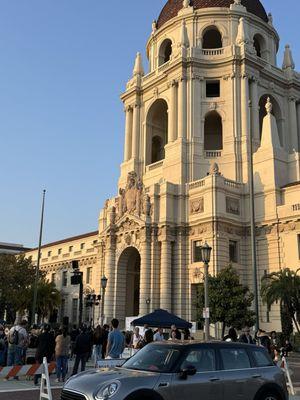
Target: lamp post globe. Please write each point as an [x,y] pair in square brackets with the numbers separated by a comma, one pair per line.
[205,253]
[104,282]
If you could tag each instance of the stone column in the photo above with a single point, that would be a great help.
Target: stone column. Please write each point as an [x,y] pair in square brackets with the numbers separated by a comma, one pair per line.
[172,123]
[136,131]
[155,270]
[255,111]
[110,273]
[293,139]
[166,276]
[182,108]
[196,106]
[128,134]
[245,106]
[145,282]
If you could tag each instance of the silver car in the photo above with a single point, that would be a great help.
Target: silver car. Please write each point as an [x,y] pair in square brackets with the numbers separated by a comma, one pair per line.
[169,371]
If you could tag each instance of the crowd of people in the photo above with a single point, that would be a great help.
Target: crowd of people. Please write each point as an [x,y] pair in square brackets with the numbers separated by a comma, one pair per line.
[261,338]
[19,346]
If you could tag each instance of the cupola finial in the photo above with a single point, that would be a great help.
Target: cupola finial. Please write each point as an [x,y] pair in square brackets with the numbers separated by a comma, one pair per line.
[138,69]
[184,39]
[186,3]
[154,26]
[288,61]
[242,36]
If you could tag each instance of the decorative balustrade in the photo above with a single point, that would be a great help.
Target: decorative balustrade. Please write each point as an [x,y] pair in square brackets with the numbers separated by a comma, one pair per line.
[213,154]
[232,184]
[212,52]
[197,184]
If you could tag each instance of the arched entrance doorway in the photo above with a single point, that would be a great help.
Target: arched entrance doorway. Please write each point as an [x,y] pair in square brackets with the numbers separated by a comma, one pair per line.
[128,284]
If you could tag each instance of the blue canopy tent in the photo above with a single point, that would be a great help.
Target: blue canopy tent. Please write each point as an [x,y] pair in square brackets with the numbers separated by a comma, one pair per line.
[161,319]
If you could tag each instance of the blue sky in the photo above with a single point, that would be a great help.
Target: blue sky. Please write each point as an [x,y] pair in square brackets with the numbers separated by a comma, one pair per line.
[63,66]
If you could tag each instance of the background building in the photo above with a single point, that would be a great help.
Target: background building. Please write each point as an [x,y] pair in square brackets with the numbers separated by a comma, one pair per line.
[56,261]
[12,248]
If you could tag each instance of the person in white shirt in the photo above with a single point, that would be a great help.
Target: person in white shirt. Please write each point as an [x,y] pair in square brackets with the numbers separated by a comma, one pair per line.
[158,336]
[137,339]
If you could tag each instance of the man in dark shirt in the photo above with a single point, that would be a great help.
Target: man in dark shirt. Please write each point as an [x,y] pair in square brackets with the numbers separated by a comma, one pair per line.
[149,334]
[45,348]
[83,346]
[246,337]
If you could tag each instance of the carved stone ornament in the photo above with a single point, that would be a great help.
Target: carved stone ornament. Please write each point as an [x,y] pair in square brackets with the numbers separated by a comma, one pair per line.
[197,206]
[214,169]
[232,206]
[132,199]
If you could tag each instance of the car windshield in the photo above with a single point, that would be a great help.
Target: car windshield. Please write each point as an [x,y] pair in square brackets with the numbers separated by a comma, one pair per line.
[154,358]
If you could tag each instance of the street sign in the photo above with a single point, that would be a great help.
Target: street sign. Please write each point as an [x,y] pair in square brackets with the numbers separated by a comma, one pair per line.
[205,313]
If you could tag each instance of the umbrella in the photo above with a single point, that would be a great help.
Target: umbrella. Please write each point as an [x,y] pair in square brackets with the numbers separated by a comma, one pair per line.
[161,319]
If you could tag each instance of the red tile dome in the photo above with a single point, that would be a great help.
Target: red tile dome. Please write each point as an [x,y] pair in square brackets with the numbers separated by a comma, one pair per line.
[172,7]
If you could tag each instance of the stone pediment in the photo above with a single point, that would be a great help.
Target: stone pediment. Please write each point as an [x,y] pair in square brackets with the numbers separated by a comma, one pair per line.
[129,223]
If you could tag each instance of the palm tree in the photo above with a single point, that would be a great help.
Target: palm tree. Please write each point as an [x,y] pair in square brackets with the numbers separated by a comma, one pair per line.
[48,299]
[284,287]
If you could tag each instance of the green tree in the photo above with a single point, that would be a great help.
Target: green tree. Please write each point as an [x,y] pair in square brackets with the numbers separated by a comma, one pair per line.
[17,279]
[230,301]
[16,276]
[283,287]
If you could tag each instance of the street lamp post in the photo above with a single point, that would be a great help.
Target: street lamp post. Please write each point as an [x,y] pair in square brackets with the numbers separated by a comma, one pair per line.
[205,253]
[93,300]
[77,279]
[103,286]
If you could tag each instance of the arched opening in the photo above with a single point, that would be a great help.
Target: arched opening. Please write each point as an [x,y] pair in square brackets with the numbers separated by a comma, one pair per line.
[157,131]
[212,38]
[259,46]
[213,132]
[276,112]
[165,52]
[128,284]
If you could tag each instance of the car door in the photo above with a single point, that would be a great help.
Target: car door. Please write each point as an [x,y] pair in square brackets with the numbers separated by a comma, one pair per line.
[239,376]
[206,383]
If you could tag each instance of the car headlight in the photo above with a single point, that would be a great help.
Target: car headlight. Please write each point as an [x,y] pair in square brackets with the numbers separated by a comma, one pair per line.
[108,391]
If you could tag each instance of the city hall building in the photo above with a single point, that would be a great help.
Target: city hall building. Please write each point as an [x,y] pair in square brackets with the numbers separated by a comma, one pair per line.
[213,95]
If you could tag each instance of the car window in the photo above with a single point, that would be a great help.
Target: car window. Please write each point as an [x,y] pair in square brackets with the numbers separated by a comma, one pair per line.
[202,359]
[262,359]
[235,359]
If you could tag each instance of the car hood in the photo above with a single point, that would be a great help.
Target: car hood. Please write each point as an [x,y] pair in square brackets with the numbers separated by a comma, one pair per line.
[92,380]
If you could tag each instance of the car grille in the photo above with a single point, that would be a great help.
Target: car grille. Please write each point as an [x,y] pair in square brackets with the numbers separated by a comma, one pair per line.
[66,395]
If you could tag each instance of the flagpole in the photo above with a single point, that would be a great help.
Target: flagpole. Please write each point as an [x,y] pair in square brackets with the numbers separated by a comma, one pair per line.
[37,269]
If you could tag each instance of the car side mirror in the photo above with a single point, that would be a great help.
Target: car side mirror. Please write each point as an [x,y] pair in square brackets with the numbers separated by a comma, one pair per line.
[190,370]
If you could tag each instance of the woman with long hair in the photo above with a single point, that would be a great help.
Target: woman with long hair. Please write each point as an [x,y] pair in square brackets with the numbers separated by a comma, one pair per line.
[62,349]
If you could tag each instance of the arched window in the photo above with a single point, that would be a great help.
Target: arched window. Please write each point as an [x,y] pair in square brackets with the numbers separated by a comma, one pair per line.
[213,132]
[165,52]
[158,150]
[260,46]
[212,38]
[276,111]
[157,131]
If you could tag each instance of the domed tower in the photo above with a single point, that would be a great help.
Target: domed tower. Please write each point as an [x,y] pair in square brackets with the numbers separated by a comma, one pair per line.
[212,98]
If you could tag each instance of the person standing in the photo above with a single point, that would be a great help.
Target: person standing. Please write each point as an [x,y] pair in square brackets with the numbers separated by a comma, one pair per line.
[3,346]
[158,335]
[115,342]
[105,339]
[17,344]
[45,348]
[246,337]
[149,334]
[62,349]
[74,334]
[264,340]
[175,334]
[83,347]
[137,341]
[98,342]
